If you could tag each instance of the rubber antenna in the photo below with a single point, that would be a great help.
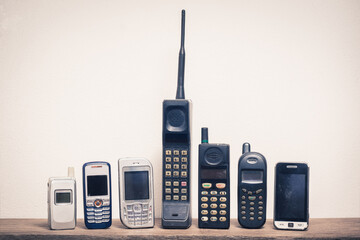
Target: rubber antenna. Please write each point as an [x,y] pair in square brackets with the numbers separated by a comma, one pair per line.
[180,94]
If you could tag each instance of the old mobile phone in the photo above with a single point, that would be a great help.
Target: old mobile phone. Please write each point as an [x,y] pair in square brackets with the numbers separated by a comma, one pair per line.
[136,192]
[97,194]
[291,209]
[62,202]
[176,210]
[252,189]
[214,183]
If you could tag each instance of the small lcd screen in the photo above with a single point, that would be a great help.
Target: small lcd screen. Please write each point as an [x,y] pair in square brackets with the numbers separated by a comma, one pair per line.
[62,197]
[291,197]
[136,185]
[252,176]
[213,173]
[97,185]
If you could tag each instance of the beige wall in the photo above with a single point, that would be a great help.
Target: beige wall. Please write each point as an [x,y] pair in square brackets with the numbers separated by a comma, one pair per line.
[85,80]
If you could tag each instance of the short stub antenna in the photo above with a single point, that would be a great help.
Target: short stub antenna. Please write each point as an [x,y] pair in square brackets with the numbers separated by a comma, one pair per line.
[180,94]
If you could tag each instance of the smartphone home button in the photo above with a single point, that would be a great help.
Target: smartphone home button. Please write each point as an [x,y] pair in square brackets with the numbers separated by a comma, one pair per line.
[290,225]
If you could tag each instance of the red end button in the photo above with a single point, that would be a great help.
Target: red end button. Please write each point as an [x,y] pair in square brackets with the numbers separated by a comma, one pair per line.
[220,185]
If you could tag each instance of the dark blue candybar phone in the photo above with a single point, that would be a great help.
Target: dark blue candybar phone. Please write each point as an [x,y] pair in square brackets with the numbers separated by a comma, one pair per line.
[97,195]
[214,184]
[252,189]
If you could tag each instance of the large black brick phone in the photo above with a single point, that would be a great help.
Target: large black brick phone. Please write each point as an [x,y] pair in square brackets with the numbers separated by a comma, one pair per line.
[176,209]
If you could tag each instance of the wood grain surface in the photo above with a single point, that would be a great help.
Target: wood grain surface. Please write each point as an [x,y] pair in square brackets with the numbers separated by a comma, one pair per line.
[332,228]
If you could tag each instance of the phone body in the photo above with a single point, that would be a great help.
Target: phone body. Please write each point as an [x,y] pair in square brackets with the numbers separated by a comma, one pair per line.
[61,203]
[291,209]
[136,192]
[214,184]
[176,210]
[176,144]
[97,195]
[252,188]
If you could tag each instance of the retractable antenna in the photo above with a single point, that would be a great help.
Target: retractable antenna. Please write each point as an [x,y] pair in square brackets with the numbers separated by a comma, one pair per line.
[180,94]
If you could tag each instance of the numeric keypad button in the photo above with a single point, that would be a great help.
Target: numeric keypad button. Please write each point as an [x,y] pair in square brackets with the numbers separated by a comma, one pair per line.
[222,212]
[176,183]
[213,219]
[204,219]
[213,205]
[176,159]
[223,199]
[204,205]
[168,197]
[223,205]
[168,173]
[213,212]
[204,212]
[168,152]
[184,152]
[168,190]
[176,197]
[183,198]
[213,199]
[176,166]
[222,219]
[176,152]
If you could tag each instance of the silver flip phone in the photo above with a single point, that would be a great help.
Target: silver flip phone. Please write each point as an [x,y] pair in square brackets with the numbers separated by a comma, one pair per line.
[136,192]
[62,202]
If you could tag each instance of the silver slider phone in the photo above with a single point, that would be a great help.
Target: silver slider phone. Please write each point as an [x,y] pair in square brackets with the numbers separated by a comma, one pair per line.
[136,192]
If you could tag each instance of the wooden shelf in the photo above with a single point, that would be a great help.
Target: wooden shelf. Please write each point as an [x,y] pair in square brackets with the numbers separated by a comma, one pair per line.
[335,228]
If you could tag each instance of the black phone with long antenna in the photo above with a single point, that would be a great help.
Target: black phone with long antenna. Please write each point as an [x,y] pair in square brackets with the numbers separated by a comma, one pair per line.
[176,209]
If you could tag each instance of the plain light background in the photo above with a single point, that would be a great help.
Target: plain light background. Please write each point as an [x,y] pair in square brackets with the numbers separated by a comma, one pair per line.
[84,80]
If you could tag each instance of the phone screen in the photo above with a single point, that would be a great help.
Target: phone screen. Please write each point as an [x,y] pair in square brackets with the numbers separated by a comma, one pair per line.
[213,173]
[252,176]
[136,185]
[97,185]
[291,195]
[62,197]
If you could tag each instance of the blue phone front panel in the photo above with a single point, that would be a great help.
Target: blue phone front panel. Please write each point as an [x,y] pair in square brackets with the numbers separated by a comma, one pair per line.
[99,215]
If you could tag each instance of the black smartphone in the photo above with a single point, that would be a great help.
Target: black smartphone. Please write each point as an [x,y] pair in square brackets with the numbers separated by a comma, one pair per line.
[291,209]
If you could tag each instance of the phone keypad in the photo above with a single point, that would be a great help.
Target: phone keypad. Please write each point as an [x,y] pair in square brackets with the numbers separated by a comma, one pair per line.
[254,199]
[214,201]
[138,214]
[98,211]
[176,174]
